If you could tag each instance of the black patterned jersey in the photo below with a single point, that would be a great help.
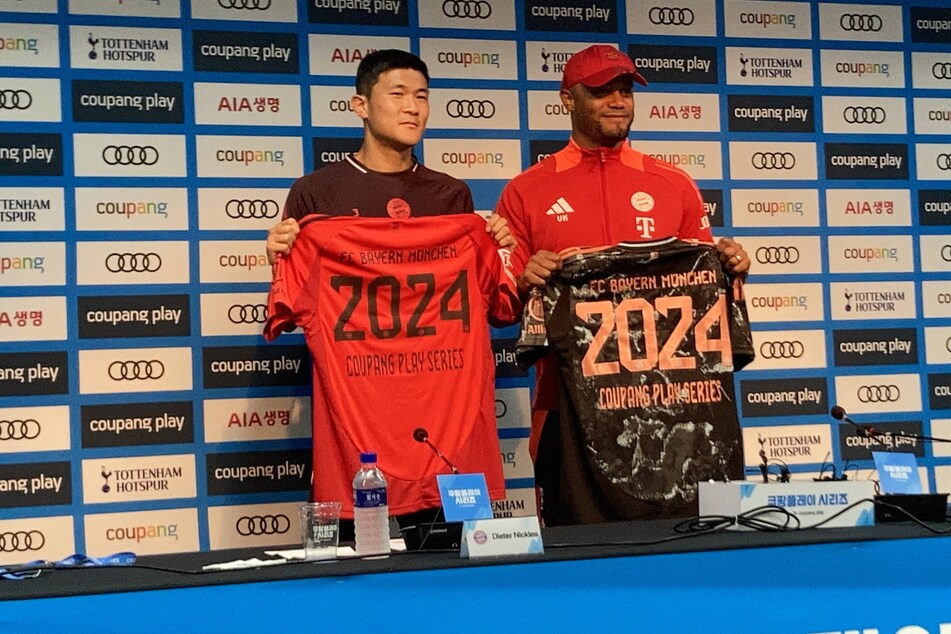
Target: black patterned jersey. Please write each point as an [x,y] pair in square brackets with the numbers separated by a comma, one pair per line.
[646,338]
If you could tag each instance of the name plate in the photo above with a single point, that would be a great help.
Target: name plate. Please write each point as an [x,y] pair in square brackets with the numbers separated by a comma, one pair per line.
[500,537]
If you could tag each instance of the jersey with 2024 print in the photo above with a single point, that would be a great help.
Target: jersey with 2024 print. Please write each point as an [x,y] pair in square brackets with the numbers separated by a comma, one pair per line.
[396,315]
[647,337]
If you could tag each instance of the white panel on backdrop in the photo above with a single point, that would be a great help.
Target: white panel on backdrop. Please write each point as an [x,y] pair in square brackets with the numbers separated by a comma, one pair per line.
[340,55]
[142,532]
[933,161]
[247,104]
[755,160]
[32,209]
[546,112]
[36,6]
[139,478]
[330,107]
[871,254]
[138,262]
[932,116]
[513,408]
[32,319]
[938,346]
[768,66]
[517,503]
[224,314]
[936,298]
[129,154]
[125,48]
[702,160]
[248,419]
[516,462]
[469,59]
[474,158]
[245,10]
[868,207]
[125,8]
[775,207]
[784,302]
[879,393]
[860,22]
[676,112]
[864,115]
[459,109]
[467,14]
[233,261]
[788,349]
[240,208]
[131,208]
[931,70]
[792,444]
[783,255]
[684,17]
[773,20]
[24,99]
[871,69]
[249,156]
[29,45]
[936,253]
[135,370]
[254,525]
[872,300]
[44,538]
[33,264]
[26,429]
[941,428]
[545,61]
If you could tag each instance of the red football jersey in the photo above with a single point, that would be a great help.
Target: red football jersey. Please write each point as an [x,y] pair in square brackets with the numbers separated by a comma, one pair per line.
[396,315]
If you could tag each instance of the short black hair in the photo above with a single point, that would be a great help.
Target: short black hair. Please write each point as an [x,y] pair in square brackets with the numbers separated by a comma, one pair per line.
[378,62]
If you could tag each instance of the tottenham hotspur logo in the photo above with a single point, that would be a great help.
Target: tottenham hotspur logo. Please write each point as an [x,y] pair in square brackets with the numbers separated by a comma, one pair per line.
[105,476]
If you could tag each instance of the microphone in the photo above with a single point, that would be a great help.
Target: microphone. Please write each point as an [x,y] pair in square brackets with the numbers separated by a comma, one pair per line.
[421,435]
[838,413]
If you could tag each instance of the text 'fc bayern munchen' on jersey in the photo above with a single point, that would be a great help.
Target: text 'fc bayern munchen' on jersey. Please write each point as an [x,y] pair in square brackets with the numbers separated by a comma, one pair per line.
[396,315]
[646,337]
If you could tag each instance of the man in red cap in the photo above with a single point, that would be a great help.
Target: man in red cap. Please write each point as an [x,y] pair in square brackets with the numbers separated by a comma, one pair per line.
[596,191]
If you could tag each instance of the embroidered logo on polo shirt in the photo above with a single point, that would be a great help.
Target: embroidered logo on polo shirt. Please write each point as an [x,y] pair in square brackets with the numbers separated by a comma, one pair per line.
[642,201]
[398,208]
[560,210]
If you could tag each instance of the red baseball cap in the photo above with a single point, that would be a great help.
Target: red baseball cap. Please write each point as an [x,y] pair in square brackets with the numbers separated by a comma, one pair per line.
[597,65]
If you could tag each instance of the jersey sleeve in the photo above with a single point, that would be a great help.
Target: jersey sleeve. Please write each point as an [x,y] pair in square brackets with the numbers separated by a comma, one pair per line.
[287,292]
[740,335]
[511,207]
[696,224]
[497,282]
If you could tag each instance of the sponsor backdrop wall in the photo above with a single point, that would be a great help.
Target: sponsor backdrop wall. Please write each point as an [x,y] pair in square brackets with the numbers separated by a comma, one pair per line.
[146,146]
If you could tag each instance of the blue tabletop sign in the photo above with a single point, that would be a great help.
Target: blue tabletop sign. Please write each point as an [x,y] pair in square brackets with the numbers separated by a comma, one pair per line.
[897,472]
[465,496]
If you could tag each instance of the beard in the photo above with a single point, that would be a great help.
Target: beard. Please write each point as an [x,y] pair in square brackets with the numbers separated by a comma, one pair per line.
[593,128]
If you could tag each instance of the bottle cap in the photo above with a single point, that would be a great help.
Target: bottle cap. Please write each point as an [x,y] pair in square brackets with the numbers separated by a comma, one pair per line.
[367,457]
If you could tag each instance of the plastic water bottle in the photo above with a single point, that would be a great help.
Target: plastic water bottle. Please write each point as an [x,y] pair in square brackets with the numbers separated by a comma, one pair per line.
[371,520]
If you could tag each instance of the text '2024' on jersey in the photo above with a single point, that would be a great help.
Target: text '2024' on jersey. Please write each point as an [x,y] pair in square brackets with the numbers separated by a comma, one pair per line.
[396,316]
[646,339]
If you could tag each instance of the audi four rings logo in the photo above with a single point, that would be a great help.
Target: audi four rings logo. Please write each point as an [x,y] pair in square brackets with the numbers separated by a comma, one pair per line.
[879,393]
[946,252]
[501,409]
[15,99]
[467,9]
[132,370]
[262,525]
[251,5]
[860,22]
[941,70]
[130,155]
[21,541]
[777,255]
[252,208]
[19,429]
[773,160]
[781,349]
[470,109]
[864,114]
[670,16]
[943,161]
[248,313]
[133,262]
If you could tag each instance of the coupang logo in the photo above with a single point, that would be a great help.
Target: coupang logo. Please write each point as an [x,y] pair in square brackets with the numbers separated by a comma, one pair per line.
[248,157]
[14,44]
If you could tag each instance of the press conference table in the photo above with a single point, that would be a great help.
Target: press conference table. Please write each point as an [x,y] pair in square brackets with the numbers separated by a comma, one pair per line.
[884,577]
